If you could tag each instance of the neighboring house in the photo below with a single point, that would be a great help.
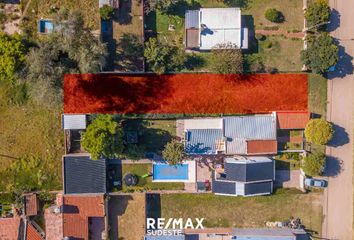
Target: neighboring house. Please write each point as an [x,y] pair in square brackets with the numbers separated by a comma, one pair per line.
[244,135]
[243,176]
[237,233]
[81,174]
[31,204]
[11,228]
[81,216]
[208,27]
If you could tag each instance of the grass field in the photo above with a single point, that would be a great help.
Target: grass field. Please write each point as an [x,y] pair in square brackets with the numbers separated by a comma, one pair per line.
[146,183]
[317,94]
[222,211]
[291,9]
[31,130]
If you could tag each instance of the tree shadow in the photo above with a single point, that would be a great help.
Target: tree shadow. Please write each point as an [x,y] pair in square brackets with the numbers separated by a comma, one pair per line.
[180,7]
[123,15]
[153,206]
[334,21]
[344,66]
[340,137]
[334,166]
[248,22]
[194,61]
[129,53]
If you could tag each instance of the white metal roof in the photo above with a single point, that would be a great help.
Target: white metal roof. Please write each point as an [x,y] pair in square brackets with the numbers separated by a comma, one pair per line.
[74,121]
[203,123]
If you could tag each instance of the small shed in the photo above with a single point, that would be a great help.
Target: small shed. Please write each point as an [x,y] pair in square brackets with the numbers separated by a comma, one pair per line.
[31,204]
[112,3]
[73,121]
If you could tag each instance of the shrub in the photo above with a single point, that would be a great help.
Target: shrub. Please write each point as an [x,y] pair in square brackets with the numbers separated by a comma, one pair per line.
[106,12]
[318,131]
[227,59]
[268,44]
[274,15]
[174,152]
[313,164]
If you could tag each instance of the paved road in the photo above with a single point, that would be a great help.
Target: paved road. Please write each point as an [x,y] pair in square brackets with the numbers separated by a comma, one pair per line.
[338,198]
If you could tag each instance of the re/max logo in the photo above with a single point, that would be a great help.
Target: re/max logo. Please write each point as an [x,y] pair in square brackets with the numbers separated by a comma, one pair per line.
[174,223]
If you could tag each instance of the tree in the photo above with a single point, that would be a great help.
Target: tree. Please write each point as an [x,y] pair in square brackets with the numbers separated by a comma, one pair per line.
[321,52]
[163,58]
[319,131]
[103,138]
[317,14]
[313,164]
[106,12]
[162,5]
[70,49]
[274,15]
[227,59]
[174,152]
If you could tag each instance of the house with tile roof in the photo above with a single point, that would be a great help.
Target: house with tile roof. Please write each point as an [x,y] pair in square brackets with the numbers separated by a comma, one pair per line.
[244,176]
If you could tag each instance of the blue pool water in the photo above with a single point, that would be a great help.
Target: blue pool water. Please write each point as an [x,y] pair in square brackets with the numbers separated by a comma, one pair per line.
[45,26]
[170,172]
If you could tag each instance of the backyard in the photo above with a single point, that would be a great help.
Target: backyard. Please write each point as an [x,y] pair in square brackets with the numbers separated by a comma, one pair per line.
[140,169]
[126,216]
[246,212]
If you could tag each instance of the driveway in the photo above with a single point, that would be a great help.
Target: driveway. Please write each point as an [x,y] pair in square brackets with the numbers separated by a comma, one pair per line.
[338,197]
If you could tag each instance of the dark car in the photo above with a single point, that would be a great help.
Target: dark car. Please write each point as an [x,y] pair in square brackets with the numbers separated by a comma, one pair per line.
[318,183]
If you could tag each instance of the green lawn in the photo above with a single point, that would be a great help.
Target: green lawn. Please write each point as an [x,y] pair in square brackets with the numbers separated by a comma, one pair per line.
[291,9]
[31,130]
[146,183]
[317,94]
[223,211]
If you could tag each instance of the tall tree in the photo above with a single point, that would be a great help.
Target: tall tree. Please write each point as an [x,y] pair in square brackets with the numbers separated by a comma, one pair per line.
[174,152]
[103,138]
[163,58]
[71,48]
[321,52]
[319,131]
[313,164]
[317,14]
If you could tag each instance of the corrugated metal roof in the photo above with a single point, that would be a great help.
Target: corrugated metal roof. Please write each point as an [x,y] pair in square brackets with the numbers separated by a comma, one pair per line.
[251,127]
[236,146]
[192,19]
[84,175]
[202,141]
[74,121]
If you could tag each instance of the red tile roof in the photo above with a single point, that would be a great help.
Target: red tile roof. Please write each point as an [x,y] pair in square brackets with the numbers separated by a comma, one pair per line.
[32,233]
[9,228]
[262,146]
[76,213]
[292,120]
[31,204]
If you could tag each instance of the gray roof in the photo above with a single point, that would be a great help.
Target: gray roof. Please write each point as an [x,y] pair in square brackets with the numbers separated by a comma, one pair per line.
[84,175]
[192,19]
[202,141]
[242,128]
[248,172]
[258,188]
[74,121]
[223,187]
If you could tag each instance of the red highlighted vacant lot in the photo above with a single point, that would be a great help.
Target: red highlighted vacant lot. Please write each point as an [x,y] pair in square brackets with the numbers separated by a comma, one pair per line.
[184,93]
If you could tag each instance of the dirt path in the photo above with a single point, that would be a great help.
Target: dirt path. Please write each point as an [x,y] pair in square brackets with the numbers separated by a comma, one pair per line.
[338,206]
[280,32]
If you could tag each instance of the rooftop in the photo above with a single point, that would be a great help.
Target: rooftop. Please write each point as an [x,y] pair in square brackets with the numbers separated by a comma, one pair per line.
[9,228]
[84,175]
[293,120]
[83,216]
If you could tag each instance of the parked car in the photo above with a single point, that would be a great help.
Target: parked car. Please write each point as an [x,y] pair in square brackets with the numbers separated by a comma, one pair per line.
[318,183]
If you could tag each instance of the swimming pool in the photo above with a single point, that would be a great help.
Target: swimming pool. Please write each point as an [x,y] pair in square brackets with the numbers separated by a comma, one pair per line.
[167,172]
